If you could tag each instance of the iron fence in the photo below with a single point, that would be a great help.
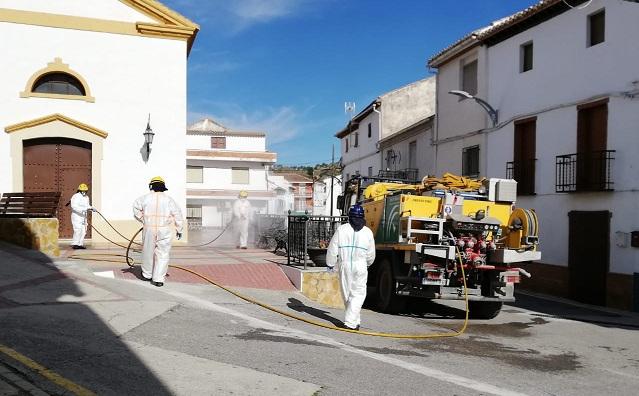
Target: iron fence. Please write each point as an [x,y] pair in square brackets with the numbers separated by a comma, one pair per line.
[310,234]
[586,171]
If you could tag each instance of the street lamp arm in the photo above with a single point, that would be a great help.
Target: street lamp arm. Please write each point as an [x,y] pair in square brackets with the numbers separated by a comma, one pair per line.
[485,105]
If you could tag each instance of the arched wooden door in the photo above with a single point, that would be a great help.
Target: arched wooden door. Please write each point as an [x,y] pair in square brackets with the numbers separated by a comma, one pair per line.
[57,164]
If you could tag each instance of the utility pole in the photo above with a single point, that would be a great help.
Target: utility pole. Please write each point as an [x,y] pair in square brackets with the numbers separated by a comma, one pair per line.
[332,176]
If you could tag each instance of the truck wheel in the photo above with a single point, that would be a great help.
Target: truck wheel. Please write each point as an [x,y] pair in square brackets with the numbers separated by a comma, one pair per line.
[484,309]
[387,300]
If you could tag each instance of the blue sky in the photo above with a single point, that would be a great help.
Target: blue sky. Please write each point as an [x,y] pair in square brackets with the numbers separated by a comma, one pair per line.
[286,67]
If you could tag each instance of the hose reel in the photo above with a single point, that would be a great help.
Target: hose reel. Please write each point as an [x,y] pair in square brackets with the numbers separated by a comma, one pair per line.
[523,229]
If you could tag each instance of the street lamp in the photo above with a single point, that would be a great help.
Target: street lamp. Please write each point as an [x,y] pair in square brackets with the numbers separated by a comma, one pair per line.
[489,109]
[148,137]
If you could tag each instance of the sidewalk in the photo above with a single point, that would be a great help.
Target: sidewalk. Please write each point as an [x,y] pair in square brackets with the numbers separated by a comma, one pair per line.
[70,322]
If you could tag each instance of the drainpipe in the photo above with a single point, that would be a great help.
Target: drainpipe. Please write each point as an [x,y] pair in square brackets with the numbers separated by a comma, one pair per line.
[381,157]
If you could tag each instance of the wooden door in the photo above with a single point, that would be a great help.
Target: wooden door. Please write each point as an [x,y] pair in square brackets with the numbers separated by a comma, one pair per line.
[588,255]
[57,164]
[592,136]
[524,156]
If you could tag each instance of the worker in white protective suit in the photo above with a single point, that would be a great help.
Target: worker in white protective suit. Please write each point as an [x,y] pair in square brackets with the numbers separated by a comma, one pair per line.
[80,205]
[352,250]
[241,218]
[159,214]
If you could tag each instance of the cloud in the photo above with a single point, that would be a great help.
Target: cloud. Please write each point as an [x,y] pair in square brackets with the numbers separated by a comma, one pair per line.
[280,124]
[235,16]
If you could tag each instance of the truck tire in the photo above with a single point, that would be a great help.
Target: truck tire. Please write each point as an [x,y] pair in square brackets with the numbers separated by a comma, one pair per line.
[387,300]
[484,309]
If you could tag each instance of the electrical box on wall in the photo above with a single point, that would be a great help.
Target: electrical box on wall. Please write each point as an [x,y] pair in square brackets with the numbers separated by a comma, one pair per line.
[634,239]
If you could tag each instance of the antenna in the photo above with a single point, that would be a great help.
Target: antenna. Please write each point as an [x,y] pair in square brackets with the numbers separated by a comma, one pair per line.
[349,108]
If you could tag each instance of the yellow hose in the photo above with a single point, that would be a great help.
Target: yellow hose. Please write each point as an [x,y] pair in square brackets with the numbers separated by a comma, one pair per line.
[131,262]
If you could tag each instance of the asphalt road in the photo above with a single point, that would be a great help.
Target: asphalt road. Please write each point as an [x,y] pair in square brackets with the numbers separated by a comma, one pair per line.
[113,336]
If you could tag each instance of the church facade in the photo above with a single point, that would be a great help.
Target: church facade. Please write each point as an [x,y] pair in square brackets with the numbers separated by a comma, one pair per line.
[80,82]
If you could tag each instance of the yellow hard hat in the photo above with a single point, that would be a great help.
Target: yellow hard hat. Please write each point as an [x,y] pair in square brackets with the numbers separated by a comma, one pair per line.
[243,194]
[83,187]
[156,179]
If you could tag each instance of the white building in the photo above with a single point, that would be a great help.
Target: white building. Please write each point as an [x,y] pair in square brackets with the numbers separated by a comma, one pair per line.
[409,153]
[220,164]
[284,195]
[566,87]
[388,114]
[322,195]
[79,80]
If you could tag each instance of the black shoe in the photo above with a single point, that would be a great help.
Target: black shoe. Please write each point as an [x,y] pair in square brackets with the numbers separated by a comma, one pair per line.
[74,247]
[158,284]
[145,279]
[343,326]
[80,247]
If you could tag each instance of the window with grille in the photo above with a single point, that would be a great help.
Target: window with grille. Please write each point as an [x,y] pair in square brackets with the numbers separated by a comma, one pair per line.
[194,212]
[470,161]
[356,139]
[218,142]
[469,77]
[370,130]
[240,175]
[346,144]
[194,174]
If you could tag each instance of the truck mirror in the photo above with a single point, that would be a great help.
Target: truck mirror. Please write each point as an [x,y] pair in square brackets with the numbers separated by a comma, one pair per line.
[340,202]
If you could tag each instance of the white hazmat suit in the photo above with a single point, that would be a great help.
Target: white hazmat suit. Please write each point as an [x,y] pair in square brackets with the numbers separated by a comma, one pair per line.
[158,213]
[79,207]
[241,217]
[353,252]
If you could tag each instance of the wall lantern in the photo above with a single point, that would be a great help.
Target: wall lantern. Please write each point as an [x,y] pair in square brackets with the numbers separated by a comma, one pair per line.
[489,109]
[148,137]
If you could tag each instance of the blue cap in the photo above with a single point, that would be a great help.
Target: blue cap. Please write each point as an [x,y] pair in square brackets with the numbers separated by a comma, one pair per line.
[356,211]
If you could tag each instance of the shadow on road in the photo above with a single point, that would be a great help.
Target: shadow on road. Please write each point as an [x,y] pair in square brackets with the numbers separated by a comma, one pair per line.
[551,308]
[44,318]
[299,306]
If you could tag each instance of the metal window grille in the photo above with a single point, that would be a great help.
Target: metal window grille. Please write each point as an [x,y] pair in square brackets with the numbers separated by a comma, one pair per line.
[587,171]
[470,161]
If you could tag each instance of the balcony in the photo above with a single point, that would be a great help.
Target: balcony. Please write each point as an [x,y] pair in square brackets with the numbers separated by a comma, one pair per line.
[524,173]
[408,174]
[587,171]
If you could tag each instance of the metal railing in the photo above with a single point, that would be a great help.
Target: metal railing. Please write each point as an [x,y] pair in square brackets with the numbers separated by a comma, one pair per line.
[524,173]
[310,232]
[408,174]
[586,171]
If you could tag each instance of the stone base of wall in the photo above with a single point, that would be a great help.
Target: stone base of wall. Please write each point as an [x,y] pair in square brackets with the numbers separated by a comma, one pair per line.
[555,280]
[37,234]
[322,287]
[316,284]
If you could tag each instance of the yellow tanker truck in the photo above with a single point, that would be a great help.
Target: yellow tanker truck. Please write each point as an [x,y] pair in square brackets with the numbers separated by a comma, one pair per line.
[425,232]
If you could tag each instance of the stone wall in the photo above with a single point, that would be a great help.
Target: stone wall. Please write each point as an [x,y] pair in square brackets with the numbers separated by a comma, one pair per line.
[322,287]
[38,234]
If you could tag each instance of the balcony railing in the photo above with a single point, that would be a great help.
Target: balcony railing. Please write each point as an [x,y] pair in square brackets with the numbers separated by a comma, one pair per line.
[587,171]
[524,173]
[408,174]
